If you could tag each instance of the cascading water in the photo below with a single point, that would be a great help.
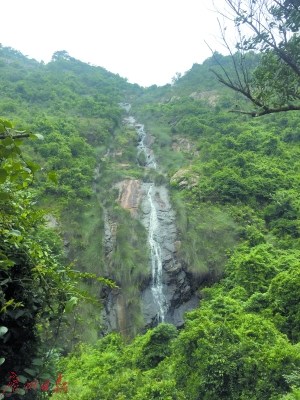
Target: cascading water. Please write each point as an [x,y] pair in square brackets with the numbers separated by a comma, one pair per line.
[153,226]
[169,291]
[153,229]
[156,259]
[143,148]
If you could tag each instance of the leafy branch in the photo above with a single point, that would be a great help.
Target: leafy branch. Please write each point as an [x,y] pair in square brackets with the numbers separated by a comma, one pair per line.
[268,27]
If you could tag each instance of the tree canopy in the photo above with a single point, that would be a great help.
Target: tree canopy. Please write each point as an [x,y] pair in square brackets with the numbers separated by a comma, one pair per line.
[270,28]
[234,184]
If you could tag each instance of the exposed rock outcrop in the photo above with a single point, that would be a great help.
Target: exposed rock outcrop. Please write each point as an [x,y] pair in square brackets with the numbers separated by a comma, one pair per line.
[168,291]
[210,96]
[51,221]
[183,145]
[184,177]
[178,291]
[130,194]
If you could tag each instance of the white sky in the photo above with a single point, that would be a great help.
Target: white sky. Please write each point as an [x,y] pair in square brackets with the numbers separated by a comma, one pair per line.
[146,41]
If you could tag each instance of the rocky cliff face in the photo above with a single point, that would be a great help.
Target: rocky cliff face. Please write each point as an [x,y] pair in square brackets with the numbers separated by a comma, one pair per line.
[168,290]
[130,194]
[177,289]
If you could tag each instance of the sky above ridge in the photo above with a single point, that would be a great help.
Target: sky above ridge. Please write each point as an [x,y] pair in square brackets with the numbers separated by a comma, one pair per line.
[145,41]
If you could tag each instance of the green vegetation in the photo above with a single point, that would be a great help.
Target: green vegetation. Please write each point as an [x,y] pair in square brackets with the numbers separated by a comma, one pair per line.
[271,29]
[36,289]
[234,184]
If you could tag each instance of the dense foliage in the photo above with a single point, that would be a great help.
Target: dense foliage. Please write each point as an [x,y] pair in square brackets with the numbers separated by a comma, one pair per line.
[37,290]
[270,27]
[234,183]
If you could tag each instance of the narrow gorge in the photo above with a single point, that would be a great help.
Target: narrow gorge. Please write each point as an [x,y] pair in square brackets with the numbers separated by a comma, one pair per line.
[167,290]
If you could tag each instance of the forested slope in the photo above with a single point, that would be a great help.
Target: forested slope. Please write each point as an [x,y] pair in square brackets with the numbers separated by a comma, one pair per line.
[234,184]
[46,197]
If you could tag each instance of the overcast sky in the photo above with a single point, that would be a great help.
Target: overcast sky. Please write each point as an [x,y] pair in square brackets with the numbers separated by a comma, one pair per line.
[145,41]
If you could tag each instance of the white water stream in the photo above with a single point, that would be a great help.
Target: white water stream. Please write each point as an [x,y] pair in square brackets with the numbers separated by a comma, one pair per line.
[144,148]
[153,229]
[156,258]
[153,224]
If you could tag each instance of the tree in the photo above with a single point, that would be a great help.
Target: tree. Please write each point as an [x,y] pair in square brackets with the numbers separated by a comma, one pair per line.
[269,27]
[283,296]
[36,291]
[225,353]
[156,346]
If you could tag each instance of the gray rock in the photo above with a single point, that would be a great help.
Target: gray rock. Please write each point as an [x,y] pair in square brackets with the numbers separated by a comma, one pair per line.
[176,290]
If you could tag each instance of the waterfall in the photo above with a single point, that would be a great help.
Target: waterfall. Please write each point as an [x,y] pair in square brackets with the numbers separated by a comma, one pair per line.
[153,224]
[153,229]
[169,292]
[143,148]
[156,258]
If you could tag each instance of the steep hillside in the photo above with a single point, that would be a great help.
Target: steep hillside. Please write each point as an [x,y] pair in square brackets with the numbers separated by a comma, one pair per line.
[75,107]
[181,203]
[88,157]
[234,185]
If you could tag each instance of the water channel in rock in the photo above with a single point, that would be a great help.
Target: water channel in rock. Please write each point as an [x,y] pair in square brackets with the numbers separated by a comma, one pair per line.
[153,225]
[170,290]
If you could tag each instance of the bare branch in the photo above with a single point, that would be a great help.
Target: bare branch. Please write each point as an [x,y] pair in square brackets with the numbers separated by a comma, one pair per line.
[220,65]
[256,24]
[268,26]
[267,111]
[238,89]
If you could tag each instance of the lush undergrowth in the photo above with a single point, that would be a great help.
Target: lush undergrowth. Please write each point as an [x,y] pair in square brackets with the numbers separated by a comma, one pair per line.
[234,183]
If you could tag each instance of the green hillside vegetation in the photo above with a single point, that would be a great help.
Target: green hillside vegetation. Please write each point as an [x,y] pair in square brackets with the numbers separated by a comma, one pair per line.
[238,218]
[36,288]
[234,183]
[73,108]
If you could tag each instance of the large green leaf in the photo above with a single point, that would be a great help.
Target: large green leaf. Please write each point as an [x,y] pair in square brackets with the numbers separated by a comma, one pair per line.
[37,361]
[20,391]
[3,330]
[22,378]
[52,176]
[33,166]
[71,304]
[7,123]
[30,371]
[36,136]
[14,232]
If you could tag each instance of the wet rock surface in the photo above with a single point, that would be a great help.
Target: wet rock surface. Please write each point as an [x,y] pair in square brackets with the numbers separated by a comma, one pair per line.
[179,294]
[168,292]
